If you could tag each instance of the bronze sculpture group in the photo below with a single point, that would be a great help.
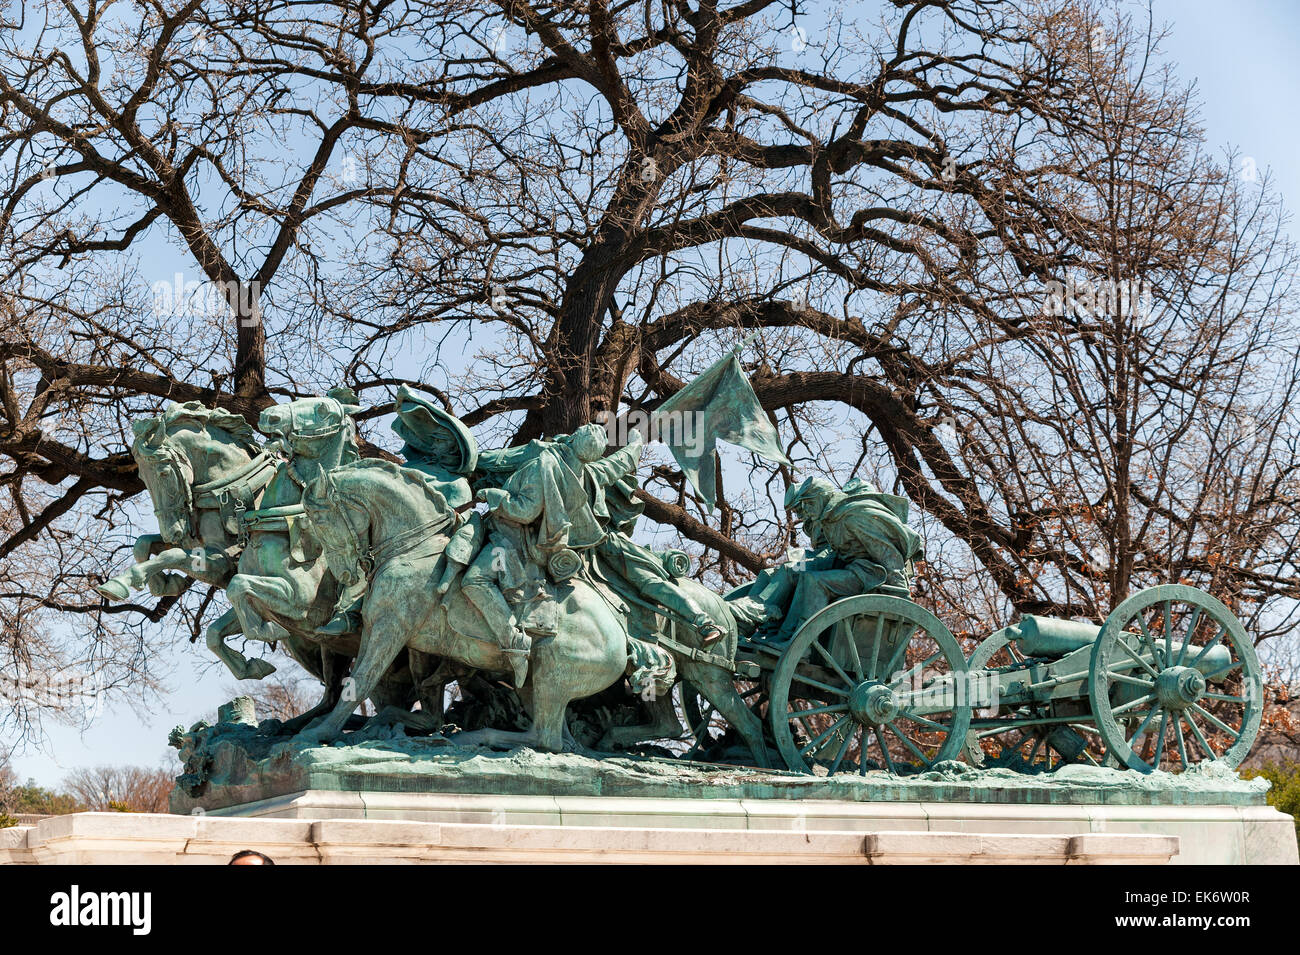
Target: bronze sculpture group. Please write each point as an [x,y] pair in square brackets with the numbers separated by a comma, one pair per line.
[520,568]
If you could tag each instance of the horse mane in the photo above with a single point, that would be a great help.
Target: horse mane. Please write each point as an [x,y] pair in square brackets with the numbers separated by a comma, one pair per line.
[316,488]
[205,417]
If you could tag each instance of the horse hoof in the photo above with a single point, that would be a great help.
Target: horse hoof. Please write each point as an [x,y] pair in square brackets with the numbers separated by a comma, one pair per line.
[258,670]
[113,590]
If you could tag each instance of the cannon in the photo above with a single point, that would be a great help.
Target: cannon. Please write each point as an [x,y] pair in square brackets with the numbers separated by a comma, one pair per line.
[1170,678]
[877,682]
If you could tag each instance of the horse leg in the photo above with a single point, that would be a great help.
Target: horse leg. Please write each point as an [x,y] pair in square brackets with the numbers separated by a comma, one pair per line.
[430,686]
[663,724]
[211,565]
[381,641]
[146,546]
[715,685]
[255,599]
[243,669]
[550,700]
[333,669]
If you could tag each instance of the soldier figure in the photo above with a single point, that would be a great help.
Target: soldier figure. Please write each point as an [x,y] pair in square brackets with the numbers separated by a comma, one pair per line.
[861,542]
[627,565]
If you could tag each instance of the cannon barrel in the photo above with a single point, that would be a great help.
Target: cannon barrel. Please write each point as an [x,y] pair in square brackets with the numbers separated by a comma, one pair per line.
[1049,637]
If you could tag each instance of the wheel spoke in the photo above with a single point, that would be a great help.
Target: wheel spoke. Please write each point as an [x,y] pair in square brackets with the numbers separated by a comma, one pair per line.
[1125,678]
[853,649]
[1223,629]
[817,683]
[823,738]
[875,645]
[1224,697]
[1160,740]
[1132,703]
[915,668]
[1222,670]
[830,708]
[1123,645]
[899,654]
[921,719]
[1145,723]
[909,744]
[1216,721]
[1182,745]
[997,731]
[829,658]
[1014,747]
[1151,644]
[1187,640]
[844,748]
[1169,631]
[1200,737]
[884,751]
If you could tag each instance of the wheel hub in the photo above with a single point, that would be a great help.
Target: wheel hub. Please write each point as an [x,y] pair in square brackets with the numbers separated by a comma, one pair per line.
[1177,688]
[873,703]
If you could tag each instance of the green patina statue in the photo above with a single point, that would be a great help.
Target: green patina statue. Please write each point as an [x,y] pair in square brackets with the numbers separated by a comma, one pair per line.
[517,574]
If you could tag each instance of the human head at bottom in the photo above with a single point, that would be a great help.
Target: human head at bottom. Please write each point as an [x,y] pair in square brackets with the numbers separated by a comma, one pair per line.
[250,857]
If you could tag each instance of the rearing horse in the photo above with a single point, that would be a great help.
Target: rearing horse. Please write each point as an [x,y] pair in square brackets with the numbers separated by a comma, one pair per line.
[202,467]
[204,470]
[281,586]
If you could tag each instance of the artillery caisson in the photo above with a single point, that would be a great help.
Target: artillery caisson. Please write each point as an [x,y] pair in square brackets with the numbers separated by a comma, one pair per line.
[1170,679]
[877,682]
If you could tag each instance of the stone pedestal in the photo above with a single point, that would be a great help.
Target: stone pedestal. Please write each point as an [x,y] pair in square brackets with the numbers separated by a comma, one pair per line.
[1205,834]
[124,838]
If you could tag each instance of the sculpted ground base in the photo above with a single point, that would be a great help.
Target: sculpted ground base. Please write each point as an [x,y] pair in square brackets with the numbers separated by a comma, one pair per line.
[434,766]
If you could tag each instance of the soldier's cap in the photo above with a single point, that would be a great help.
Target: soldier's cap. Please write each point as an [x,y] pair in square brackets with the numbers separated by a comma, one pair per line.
[417,421]
[798,492]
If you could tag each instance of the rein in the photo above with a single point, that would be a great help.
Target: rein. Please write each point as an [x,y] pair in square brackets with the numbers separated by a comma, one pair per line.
[370,559]
[408,541]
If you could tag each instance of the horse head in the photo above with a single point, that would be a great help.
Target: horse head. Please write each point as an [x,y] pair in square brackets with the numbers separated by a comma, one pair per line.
[319,430]
[188,444]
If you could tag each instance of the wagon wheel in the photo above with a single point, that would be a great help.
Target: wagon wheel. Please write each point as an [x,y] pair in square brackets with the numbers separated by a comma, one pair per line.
[872,681]
[1175,678]
[706,725]
[1021,744]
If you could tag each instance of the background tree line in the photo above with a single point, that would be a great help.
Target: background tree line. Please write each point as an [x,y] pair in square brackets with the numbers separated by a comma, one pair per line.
[98,789]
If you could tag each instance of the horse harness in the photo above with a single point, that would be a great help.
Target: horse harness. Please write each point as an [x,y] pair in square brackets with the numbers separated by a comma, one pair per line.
[234,495]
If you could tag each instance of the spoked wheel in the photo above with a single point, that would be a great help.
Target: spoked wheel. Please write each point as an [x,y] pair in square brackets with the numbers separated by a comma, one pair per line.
[1030,739]
[1175,681]
[870,682]
[707,727]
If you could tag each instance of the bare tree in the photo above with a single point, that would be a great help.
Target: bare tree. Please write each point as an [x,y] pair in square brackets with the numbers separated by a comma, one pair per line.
[8,783]
[121,788]
[537,212]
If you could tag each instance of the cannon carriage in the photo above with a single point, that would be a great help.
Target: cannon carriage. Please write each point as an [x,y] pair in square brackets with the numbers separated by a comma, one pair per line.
[875,681]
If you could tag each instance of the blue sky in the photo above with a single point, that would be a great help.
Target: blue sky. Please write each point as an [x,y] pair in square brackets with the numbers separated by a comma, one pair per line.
[1243,58]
